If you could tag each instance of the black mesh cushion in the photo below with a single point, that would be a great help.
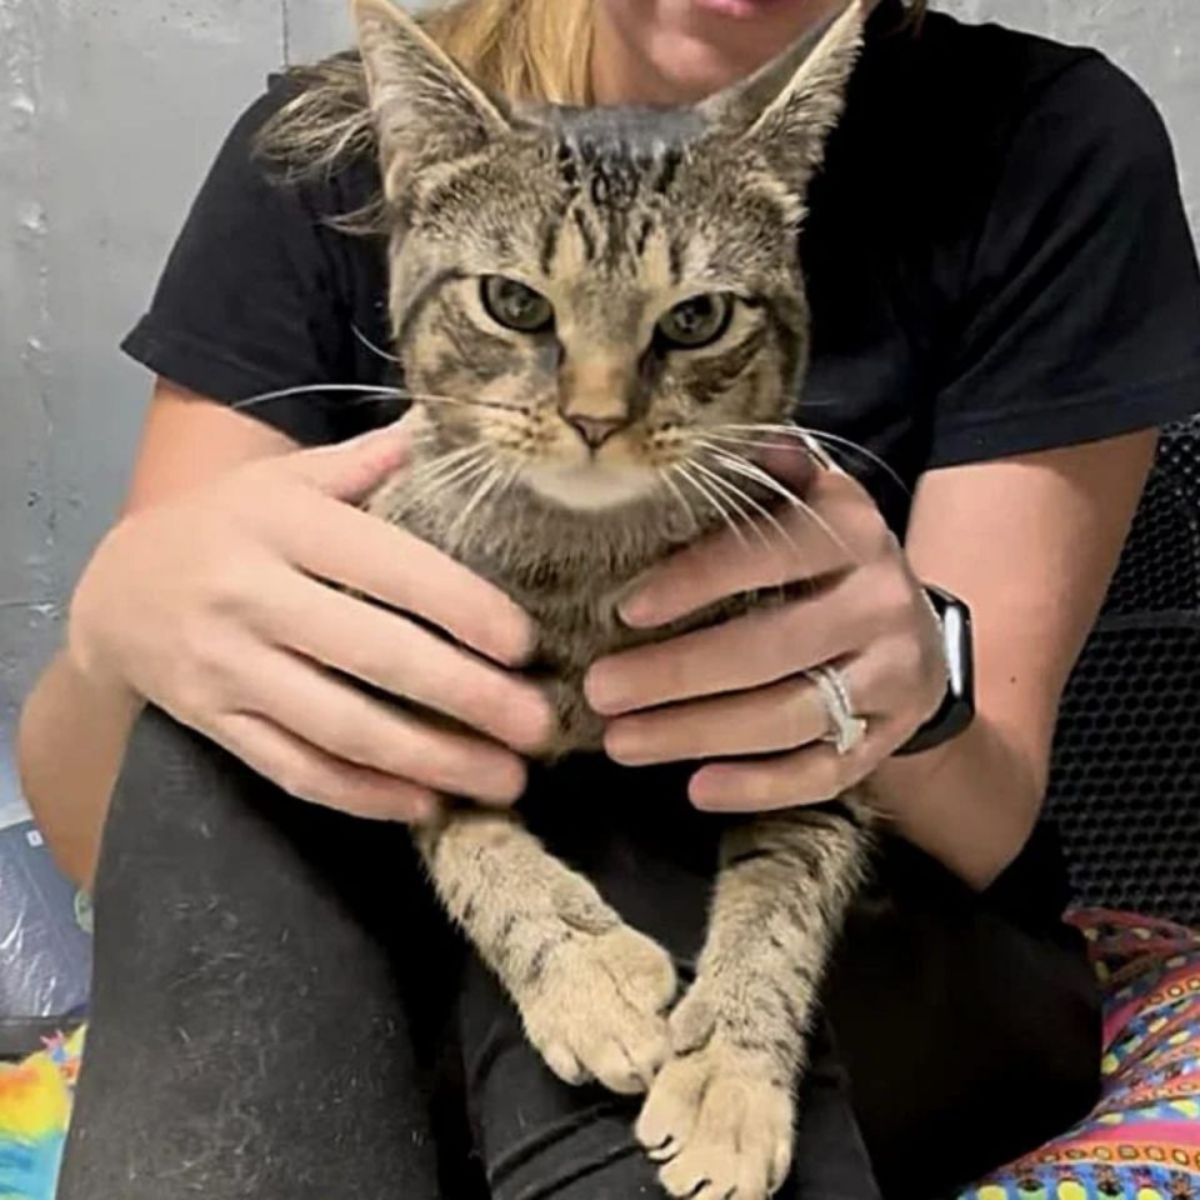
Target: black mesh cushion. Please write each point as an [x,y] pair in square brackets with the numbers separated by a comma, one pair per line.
[1126,783]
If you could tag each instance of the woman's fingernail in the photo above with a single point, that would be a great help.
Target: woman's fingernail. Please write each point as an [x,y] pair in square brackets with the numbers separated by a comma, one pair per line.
[422,812]
[700,791]
[706,792]
[624,746]
[602,690]
[639,610]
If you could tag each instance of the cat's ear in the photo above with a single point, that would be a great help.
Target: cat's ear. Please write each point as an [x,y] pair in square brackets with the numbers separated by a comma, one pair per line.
[789,107]
[426,108]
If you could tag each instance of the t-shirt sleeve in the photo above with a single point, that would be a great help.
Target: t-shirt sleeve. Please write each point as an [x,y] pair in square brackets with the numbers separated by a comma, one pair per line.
[1080,314]
[251,300]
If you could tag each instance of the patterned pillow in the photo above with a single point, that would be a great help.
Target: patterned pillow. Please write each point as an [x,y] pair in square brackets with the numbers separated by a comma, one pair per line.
[1141,1143]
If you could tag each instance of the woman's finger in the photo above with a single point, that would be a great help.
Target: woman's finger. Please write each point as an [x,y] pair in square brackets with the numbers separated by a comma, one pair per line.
[809,537]
[356,728]
[764,721]
[815,774]
[307,772]
[362,552]
[749,651]
[351,470]
[384,649]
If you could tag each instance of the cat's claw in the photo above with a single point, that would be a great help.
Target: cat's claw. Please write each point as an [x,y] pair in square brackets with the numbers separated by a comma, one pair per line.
[720,1124]
[598,1011]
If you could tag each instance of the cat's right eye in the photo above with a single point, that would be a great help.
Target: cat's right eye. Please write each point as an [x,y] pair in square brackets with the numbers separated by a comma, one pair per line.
[515,305]
[696,322]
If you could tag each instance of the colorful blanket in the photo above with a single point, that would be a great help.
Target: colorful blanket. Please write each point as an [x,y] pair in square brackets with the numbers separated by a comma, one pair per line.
[1141,1143]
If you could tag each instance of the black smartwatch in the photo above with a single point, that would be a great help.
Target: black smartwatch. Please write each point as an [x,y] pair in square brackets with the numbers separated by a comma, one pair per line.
[958,706]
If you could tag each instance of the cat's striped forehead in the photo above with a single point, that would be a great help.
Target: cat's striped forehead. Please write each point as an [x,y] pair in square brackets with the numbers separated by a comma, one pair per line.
[617,170]
[614,139]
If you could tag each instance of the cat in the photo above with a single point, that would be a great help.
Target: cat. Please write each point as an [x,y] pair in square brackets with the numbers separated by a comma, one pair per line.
[589,305]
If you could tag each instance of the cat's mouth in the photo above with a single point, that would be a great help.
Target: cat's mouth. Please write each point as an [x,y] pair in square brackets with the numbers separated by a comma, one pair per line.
[590,470]
[591,484]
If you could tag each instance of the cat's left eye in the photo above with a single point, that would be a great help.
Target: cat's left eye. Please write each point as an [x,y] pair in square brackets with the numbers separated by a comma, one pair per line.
[696,322]
[515,305]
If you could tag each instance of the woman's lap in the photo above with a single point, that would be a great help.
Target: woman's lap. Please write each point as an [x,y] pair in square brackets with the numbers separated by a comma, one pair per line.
[253,1034]
[259,1028]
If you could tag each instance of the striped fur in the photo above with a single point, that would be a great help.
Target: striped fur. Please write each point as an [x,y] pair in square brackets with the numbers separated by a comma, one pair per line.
[614,216]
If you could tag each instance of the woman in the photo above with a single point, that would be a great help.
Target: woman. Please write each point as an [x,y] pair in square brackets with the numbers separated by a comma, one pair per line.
[1006,306]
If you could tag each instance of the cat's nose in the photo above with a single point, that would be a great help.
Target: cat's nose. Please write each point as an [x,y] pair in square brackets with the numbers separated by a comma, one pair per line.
[595,431]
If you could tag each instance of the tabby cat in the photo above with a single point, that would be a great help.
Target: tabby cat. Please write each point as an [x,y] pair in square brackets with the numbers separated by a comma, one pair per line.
[588,305]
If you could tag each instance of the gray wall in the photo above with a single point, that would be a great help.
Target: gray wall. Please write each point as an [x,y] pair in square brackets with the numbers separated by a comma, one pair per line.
[109,114]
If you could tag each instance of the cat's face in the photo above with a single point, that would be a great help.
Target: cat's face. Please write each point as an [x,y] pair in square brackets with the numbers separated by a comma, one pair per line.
[599,296]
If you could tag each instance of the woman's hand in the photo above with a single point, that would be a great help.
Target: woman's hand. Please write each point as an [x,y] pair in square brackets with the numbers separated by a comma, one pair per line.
[738,690]
[221,608]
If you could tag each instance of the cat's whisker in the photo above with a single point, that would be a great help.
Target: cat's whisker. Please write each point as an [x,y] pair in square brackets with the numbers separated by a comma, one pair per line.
[443,462]
[362,393]
[714,501]
[466,479]
[673,488]
[731,462]
[365,391]
[487,480]
[485,488]
[817,453]
[453,475]
[493,405]
[749,470]
[433,477]
[737,498]
[512,478]
[370,345]
[822,438]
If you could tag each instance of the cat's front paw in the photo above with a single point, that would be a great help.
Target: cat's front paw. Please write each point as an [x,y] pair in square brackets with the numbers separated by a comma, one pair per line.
[598,1009]
[719,1116]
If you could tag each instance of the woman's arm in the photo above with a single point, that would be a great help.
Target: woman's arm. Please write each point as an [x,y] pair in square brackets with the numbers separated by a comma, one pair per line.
[186,442]
[1031,544]
[229,596]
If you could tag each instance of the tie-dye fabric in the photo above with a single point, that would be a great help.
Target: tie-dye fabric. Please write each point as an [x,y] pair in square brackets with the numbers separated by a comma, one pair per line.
[1142,1142]
[35,1102]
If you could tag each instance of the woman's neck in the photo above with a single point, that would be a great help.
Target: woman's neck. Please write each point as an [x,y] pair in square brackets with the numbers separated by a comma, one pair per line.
[640,59]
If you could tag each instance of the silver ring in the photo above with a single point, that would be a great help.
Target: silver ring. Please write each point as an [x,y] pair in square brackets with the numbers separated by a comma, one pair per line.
[847,731]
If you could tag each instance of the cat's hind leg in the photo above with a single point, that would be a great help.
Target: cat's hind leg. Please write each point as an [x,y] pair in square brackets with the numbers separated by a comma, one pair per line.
[591,991]
[720,1116]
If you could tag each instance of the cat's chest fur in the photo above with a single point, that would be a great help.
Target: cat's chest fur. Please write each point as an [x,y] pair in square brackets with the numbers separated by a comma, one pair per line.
[568,570]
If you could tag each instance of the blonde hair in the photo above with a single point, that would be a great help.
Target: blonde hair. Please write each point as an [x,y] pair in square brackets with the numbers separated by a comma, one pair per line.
[538,50]
[522,49]
[530,49]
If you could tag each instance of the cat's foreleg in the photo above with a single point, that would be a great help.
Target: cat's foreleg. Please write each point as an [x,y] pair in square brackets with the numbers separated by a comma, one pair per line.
[722,1110]
[592,992]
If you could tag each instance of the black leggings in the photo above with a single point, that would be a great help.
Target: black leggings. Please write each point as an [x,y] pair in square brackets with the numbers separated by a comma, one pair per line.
[280,1012]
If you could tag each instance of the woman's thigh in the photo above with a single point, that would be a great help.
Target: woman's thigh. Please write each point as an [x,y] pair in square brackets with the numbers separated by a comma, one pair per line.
[267,979]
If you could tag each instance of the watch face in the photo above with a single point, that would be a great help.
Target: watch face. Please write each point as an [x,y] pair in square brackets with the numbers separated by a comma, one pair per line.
[958,707]
[956,638]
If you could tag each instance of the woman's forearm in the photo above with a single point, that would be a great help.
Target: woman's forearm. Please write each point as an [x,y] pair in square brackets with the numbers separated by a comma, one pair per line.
[70,745]
[971,803]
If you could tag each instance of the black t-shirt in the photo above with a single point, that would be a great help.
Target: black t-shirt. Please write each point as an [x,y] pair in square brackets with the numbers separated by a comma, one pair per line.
[997,257]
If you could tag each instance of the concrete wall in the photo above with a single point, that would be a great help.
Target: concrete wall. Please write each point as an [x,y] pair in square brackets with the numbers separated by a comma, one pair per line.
[109,113]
